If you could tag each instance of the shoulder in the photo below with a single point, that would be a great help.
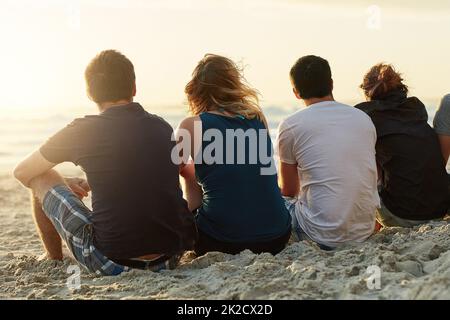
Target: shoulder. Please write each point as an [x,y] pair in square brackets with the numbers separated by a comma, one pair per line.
[443,109]
[361,111]
[364,118]
[157,123]
[189,124]
[83,123]
[293,127]
[360,116]
[445,102]
[294,119]
[364,106]
[92,120]
[156,118]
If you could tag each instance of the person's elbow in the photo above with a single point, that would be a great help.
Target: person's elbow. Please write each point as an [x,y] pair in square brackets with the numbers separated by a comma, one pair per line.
[289,191]
[20,174]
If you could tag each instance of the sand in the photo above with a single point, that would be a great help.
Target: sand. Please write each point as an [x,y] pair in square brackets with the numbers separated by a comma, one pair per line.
[414,264]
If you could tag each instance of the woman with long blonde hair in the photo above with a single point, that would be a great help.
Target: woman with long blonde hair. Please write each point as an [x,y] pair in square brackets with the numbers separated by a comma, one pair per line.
[229,185]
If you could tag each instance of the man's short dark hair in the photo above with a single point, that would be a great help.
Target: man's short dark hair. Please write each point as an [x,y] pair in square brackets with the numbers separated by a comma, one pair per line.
[311,76]
[110,77]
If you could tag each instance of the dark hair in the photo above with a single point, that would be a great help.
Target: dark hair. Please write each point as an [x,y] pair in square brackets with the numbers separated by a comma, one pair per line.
[110,77]
[311,76]
[381,80]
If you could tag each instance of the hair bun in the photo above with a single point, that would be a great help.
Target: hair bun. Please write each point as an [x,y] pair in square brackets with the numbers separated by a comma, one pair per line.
[389,77]
[381,80]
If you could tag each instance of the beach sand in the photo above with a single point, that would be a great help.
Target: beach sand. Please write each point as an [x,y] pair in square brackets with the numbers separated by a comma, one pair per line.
[415,264]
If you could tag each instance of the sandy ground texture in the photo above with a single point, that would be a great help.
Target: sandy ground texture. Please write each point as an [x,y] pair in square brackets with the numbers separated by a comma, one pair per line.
[414,264]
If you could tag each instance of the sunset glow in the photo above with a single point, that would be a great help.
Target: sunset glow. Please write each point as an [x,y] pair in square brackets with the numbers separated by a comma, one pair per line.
[47,44]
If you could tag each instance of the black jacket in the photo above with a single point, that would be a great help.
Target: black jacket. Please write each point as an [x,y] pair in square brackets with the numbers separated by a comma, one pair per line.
[414,178]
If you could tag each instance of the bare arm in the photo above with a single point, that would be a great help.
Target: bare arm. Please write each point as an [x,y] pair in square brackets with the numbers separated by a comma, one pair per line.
[289,180]
[35,165]
[31,167]
[191,189]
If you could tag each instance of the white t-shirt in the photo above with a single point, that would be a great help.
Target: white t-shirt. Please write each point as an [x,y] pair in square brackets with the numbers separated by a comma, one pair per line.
[333,146]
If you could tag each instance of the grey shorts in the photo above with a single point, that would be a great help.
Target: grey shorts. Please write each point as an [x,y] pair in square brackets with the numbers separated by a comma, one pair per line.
[387,219]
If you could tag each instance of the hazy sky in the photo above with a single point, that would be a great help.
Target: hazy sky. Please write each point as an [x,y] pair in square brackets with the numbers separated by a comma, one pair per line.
[47,44]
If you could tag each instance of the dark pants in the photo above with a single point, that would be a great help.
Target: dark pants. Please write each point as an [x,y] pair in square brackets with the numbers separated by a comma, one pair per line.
[206,244]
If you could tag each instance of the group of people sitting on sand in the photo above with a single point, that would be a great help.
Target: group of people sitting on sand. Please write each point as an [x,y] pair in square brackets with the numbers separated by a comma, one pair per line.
[343,171]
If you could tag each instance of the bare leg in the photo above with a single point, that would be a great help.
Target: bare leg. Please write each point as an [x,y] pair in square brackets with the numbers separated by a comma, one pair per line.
[47,232]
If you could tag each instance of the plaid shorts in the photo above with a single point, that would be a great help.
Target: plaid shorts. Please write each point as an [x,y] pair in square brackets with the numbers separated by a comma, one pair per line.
[72,220]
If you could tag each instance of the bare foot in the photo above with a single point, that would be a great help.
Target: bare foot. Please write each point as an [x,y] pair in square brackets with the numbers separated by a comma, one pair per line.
[46,256]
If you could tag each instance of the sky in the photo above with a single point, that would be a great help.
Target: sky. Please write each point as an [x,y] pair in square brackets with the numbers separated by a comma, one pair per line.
[47,44]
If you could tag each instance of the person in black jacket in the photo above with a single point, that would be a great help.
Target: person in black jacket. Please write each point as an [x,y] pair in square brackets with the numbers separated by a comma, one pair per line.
[412,177]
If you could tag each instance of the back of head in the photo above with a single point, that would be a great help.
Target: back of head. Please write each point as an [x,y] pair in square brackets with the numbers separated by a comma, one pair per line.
[217,82]
[381,81]
[110,77]
[311,77]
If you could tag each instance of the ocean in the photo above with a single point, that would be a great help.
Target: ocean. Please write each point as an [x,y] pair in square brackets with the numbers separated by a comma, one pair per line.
[22,131]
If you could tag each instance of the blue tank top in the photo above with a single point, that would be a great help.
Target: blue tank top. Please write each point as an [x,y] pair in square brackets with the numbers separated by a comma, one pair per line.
[239,203]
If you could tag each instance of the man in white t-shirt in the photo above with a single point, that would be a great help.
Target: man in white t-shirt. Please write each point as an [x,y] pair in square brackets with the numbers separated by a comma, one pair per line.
[328,172]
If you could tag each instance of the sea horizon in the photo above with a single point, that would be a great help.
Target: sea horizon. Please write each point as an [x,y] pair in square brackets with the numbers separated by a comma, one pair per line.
[26,129]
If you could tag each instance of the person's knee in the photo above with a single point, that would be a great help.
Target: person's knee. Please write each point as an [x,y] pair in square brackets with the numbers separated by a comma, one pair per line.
[42,184]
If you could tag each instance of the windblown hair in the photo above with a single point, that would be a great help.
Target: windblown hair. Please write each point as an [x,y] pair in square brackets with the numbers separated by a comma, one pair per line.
[217,83]
[381,80]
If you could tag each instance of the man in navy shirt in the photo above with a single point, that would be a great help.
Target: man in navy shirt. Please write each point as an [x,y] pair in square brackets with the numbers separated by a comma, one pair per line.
[139,218]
